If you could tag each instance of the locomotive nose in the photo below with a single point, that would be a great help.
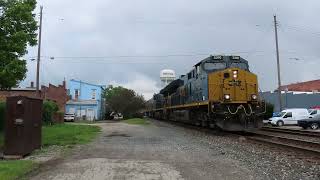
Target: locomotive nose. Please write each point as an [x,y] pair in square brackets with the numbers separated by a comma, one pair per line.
[234,86]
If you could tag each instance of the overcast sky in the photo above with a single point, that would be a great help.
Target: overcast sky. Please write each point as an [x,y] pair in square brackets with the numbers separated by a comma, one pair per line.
[104,41]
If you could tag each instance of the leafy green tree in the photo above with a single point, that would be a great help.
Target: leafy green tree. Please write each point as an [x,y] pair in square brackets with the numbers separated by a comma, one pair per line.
[125,101]
[17,30]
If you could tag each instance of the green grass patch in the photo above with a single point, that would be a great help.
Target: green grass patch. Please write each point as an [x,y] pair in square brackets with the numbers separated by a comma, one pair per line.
[137,121]
[64,135]
[10,170]
[68,134]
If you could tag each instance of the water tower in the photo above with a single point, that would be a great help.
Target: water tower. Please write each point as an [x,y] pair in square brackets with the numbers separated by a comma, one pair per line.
[167,76]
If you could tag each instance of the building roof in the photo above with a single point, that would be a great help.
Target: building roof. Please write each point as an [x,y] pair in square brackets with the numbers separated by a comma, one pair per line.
[22,89]
[308,86]
[82,102]
[79,81]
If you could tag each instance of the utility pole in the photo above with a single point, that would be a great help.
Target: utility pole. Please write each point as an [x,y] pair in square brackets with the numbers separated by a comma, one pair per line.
[39,54]
[278,61]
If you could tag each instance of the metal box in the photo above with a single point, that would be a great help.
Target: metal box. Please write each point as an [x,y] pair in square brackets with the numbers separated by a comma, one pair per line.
[22,125]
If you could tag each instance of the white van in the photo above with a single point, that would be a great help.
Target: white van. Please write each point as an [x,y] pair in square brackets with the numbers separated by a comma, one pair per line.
[289,117]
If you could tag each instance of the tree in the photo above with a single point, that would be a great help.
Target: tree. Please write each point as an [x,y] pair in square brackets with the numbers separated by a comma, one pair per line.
[125,101]
[17,30]
[48,109]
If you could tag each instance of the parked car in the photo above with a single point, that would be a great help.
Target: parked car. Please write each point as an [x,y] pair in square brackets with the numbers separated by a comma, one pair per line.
[314,112]
[289,117]
[118,116]
[312,122]
[69,117]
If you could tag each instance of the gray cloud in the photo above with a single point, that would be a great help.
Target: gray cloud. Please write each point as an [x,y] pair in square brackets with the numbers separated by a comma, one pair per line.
[115,28]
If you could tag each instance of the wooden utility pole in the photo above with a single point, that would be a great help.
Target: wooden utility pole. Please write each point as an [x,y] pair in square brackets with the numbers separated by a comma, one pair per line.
[39,54]
[278,61]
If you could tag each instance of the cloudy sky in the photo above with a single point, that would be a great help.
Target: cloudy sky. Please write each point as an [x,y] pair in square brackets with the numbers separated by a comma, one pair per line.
[128,42]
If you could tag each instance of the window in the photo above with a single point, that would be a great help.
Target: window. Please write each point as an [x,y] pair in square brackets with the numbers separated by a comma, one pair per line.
[289,114]
[239,65]
[76,93]
[93,94]
[198,69]
[189,75]
[209,66]
[313,112]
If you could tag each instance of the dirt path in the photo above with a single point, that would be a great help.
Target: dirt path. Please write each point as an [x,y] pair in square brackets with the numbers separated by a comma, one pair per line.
[155,151]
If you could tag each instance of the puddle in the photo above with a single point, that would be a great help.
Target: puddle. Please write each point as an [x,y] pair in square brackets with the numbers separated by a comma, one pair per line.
[116,134]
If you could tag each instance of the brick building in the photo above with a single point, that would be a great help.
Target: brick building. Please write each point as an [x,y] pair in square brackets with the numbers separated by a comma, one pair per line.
[308,86]
[57,94]
[29,92]
[54,93]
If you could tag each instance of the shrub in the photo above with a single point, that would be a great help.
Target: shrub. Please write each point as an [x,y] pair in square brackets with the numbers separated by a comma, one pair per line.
[2,114]
[49,108]
[269,112]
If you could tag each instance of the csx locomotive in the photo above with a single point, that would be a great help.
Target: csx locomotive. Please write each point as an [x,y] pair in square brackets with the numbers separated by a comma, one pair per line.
[219,91]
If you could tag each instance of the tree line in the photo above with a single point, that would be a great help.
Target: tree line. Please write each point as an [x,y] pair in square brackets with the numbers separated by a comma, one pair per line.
[125,101]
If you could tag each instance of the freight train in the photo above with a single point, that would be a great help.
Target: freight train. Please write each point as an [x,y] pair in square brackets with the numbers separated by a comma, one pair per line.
[219,92]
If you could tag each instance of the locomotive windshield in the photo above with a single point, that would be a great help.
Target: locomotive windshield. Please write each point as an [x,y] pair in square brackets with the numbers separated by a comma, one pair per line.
[240,65]
[209,66]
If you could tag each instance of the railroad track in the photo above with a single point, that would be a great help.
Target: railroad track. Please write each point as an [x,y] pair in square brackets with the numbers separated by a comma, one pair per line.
[303,143]
[299,140]
[291,131]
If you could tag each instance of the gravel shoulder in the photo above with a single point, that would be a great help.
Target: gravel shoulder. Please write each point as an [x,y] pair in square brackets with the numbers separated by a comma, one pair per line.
[165,151]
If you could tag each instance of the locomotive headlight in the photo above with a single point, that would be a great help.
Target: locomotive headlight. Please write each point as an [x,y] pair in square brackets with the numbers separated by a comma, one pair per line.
[226,96]
[235,74]
[254,97]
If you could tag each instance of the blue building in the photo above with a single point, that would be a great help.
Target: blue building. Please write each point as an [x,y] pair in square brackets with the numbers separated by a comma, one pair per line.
[86,100]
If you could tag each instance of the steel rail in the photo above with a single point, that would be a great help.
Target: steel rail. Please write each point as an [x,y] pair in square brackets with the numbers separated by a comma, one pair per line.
[304,145]
[291,131]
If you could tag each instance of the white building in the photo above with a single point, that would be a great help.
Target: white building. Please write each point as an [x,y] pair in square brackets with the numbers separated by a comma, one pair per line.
[167,76]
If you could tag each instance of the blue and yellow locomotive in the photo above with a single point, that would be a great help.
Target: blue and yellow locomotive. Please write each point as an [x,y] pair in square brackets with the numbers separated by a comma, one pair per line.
[219,91]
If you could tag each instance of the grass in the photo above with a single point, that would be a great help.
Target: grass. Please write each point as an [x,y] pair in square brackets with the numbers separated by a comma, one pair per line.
[137,121]
[10,170]
[65,135]
[68,134]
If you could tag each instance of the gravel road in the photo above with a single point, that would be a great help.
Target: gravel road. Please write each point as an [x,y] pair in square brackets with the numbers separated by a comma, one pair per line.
[165,151]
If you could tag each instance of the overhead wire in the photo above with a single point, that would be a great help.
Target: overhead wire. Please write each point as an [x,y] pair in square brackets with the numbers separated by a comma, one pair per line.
[301,29]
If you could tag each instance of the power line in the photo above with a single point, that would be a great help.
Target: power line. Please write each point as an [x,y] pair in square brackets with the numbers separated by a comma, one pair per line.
[141,56]
[301,29]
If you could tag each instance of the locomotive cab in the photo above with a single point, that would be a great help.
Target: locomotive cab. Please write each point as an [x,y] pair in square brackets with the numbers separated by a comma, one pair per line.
[233,93]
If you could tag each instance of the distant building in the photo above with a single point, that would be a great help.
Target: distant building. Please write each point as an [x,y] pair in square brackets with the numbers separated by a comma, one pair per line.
[296,95]
[308,86]
[86,100]
[57,94]
[167,76]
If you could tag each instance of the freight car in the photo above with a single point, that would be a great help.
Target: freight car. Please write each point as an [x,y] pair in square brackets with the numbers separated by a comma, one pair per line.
[220,91]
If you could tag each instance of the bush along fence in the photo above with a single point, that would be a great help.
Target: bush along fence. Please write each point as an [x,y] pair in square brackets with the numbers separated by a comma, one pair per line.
[50,112]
